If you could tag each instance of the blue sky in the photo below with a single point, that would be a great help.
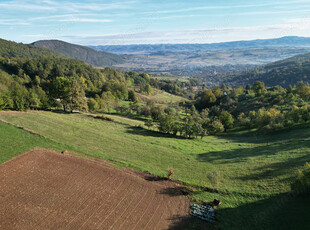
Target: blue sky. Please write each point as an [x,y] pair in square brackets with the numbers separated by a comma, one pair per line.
[102,22]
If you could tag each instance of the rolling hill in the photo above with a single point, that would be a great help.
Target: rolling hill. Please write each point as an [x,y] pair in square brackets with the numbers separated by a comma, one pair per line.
[88,55]
[285,72]
[9,49]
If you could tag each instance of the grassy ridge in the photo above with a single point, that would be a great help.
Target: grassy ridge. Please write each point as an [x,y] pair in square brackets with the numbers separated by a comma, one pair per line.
[254,171]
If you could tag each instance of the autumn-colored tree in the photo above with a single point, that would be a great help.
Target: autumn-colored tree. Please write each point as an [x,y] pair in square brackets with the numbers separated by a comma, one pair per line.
[304,92]
[207,98]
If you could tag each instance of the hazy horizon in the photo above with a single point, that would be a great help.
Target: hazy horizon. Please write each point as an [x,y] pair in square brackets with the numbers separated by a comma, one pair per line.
[152,22]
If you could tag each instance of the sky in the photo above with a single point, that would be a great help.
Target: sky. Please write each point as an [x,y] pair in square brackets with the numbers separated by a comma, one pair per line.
[107,22]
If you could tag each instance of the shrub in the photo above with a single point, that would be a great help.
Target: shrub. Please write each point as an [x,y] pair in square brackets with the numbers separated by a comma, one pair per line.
[145,111]
[302,183]
[92,104]
[132,96]
[217,127]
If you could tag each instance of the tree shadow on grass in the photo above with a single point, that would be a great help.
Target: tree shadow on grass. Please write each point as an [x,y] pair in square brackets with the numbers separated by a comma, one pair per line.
[284,211]
[276,169]
[61,111]
[241,155]
[190,223]
[269,170]
[296,133]
[144,132]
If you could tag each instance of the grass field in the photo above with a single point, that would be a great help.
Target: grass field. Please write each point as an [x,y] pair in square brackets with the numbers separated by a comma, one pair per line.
[168,77]
[162,97]
[14,141]
[252,171]
[125,120]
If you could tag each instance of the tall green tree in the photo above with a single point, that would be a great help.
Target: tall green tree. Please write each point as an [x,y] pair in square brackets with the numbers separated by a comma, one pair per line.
[20,97]
[76,99]
[60,90]
[148,89]
[132,96]
[227,120]
[259,88]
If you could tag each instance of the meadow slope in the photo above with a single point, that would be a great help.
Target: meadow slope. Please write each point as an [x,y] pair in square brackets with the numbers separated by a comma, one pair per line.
[250,171]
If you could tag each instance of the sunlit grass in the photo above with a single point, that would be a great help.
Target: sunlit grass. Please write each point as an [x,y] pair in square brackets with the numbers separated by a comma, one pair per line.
[245,167]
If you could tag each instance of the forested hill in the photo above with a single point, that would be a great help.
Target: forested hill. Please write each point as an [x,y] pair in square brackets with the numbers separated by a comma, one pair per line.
[90,56]
[285,72]
[10,49]
[38,78]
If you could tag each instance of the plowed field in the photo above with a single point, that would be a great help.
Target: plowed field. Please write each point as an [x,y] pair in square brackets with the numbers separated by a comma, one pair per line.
[42,189]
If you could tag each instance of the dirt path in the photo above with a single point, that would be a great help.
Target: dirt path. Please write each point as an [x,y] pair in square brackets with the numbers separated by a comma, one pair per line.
[42,189]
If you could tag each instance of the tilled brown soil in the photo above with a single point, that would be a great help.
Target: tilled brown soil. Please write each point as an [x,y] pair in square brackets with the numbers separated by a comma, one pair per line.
[42,189]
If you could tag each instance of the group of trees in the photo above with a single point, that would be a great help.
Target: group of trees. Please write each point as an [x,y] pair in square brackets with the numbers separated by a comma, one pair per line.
[65,92]
[273,119]
[223,108]
[194,124]
[52,81]
[43,83]
[258,106]
[172,120]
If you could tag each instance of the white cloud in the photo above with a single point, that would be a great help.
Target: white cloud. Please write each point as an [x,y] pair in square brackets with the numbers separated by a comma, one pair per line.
[296,27]
[13,22]
[53,17]
[62,6]
[25,6]
[271,12]
[85,20]
[200,8]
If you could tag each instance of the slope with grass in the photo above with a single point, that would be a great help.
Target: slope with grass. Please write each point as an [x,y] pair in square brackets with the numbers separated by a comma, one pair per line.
[161,97]
[248,172]
[15,141]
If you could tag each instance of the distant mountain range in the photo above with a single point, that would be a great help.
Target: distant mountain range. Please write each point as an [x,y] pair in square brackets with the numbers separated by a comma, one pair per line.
[289,41]
[86,54]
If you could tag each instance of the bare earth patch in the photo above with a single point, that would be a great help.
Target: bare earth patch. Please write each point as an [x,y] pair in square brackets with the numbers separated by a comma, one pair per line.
[42,189]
